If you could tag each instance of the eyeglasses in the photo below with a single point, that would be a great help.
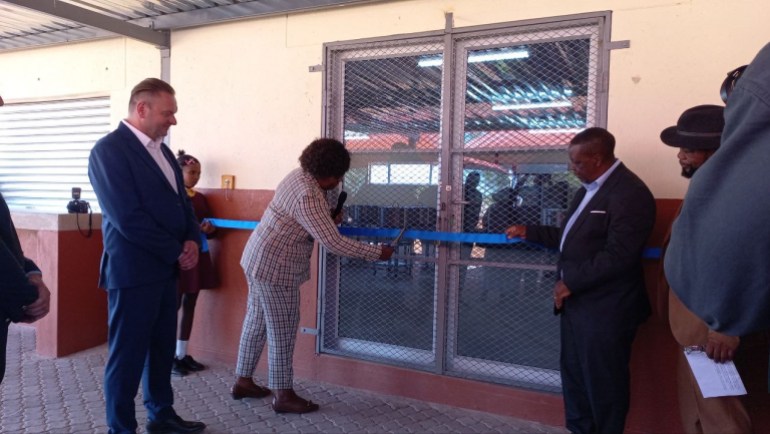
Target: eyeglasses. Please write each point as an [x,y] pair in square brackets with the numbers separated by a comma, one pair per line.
[729,84]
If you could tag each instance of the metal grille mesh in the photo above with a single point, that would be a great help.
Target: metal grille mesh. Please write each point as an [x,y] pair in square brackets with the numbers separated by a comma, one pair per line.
[387,310]
[484,310]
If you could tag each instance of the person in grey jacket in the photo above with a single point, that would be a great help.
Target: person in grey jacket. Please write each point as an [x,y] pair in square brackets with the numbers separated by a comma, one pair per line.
[716,261]
[276,261]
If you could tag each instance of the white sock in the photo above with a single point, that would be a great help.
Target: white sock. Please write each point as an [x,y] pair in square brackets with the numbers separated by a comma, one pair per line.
[181,349]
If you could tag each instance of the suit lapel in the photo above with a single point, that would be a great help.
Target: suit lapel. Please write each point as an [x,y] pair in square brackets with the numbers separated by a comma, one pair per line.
[136,146]
[164,149]
[605,189]
[579,195]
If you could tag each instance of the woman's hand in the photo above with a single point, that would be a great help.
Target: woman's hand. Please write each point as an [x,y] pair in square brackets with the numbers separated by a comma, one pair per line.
[387,252]
[338,218]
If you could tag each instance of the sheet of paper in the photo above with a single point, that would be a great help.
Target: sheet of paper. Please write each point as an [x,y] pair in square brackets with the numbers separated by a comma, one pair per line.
[714,379]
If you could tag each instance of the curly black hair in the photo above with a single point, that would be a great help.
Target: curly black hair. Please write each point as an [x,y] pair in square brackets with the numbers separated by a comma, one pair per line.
[325,157]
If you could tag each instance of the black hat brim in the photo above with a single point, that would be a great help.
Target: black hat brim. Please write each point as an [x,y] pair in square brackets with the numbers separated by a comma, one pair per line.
[671,137]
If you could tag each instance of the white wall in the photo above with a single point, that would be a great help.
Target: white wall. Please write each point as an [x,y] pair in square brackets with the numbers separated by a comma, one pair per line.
[248,105]
[107,67]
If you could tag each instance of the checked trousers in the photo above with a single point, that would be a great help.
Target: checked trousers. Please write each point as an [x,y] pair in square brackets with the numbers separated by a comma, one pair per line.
[272,316]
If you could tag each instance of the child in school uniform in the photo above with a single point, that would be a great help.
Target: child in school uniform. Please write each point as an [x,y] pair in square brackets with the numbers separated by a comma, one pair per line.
[202,276]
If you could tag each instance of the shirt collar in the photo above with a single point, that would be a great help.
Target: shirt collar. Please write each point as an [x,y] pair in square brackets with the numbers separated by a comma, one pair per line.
[598,182]
[143,138]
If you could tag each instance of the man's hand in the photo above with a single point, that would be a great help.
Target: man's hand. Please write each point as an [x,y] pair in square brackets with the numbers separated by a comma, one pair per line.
[560,292]
[40,307]
[721,347]
[516,231]
[189,257]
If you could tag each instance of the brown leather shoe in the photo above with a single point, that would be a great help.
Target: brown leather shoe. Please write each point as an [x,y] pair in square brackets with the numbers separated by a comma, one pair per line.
[252,391]
[289,402]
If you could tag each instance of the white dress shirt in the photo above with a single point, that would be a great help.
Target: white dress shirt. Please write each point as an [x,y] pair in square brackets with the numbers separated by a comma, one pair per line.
[153,147]
[591,190]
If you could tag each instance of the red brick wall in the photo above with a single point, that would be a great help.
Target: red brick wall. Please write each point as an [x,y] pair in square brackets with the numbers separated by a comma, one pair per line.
[220,313]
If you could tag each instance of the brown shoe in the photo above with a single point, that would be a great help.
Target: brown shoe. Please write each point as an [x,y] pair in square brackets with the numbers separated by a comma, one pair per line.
[286,401]
[239,391]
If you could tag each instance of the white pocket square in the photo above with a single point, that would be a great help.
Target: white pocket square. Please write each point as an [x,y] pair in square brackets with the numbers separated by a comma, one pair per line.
[598,211]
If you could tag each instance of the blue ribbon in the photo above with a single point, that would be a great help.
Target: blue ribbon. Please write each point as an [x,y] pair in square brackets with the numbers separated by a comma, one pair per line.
[233,224]
[453,237]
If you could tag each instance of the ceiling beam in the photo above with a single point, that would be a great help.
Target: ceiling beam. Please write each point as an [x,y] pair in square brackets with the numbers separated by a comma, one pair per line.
[159,38]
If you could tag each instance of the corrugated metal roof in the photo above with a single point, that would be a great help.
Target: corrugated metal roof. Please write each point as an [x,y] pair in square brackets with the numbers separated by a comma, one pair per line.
[26,23]
[20,27]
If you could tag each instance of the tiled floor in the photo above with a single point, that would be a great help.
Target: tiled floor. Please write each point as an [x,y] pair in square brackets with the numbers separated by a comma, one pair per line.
[64,395]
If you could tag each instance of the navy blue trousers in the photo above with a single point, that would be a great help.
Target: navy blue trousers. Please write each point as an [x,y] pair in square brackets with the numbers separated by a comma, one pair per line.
[142,334]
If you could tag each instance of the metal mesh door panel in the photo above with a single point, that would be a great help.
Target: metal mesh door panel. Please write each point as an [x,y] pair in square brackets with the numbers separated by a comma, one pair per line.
[390,120]
[521,104]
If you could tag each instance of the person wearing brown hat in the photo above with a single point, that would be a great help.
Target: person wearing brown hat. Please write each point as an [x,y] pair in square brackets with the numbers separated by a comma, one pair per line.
[697,134]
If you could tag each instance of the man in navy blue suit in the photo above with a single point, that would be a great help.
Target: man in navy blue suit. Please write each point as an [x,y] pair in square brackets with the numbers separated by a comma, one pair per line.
[150,232]
[600,294]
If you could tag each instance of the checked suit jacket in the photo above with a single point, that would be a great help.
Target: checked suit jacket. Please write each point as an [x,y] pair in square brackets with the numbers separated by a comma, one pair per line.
[600,261]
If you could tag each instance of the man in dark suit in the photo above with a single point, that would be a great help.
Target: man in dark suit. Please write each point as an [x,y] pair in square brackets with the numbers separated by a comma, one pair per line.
[601,294]
[150,232]
[23,295]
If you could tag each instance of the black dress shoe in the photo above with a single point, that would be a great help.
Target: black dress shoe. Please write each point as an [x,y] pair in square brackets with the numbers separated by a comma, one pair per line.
[174,425]
[191,364]
[178,368]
